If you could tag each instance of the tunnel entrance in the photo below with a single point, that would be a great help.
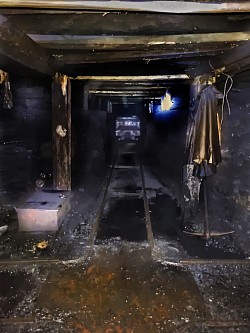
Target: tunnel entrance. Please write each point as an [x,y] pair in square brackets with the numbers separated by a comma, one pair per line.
[124,158]
[158,138]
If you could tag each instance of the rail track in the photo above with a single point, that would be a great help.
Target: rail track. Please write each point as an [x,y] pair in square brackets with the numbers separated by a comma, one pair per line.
[117,167]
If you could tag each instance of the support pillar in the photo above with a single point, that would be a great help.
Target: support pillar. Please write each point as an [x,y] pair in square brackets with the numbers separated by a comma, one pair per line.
[61,132]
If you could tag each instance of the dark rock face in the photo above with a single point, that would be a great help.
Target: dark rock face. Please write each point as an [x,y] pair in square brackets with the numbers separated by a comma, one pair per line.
[23,131]
[228,197]
[229,192]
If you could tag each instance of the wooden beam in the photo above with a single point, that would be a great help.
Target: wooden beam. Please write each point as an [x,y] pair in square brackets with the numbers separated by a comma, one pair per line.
[127,85]
[135,78]
[124,88]
[104,57]
[131,56]
[148,6]
[127,92]
[93,43]
[18,47]
[233,58]
[61,127]
[229,61]
[129,99]
[29,11]
[95,87]
[125,24]
[143,95]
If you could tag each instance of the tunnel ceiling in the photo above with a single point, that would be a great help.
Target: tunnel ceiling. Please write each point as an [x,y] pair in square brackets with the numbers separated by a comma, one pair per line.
[124,38]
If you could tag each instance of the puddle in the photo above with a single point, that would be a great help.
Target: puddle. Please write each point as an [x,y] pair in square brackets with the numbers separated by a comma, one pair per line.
[125,219]
[163,216]
[122,291]
[126,160]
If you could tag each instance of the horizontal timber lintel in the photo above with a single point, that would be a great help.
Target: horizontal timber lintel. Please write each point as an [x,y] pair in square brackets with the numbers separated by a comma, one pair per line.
[111,42]
[148,6]
[135,77]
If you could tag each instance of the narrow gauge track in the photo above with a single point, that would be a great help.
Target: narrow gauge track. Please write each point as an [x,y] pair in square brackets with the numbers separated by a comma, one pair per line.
[186,328]
[92,237]
[143,194]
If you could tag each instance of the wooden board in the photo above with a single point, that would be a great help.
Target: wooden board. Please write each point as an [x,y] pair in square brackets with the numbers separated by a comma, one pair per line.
[61,119]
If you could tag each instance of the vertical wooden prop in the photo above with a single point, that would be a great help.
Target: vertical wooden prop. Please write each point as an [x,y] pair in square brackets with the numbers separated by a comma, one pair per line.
[61,132]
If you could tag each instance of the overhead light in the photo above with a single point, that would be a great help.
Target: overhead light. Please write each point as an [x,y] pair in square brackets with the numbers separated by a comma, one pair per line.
[166,102]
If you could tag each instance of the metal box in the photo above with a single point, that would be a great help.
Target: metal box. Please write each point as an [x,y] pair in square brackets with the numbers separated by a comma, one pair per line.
[43,211]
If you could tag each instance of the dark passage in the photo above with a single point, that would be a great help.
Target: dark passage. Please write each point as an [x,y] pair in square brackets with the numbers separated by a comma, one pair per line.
[127,159]
[125,220]
[92,246]
[164,214]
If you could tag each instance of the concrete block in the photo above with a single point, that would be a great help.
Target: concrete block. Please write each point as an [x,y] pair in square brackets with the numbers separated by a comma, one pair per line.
[43,211]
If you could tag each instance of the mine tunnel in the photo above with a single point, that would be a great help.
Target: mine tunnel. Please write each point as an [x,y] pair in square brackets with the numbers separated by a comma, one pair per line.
[124,166]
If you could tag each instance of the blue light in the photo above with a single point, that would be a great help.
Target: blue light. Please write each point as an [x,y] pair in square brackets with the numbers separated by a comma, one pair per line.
[158,113]
[177,100]
[166,102]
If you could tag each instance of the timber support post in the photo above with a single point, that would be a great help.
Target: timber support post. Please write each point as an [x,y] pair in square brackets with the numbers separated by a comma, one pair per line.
[61,132]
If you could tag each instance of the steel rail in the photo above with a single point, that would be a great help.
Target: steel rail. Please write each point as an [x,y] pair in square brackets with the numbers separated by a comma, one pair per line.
[150,236]
[183,262]
[94,231]
[182,329]
[31,261]
[213,324]
[96,224]
[195,261]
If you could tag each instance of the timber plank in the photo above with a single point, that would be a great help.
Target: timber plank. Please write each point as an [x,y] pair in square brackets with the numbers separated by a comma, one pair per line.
[61,119]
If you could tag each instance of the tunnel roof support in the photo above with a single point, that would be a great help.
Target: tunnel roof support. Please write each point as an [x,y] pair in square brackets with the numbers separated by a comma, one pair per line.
[179,7]
[61,132]
[18,47]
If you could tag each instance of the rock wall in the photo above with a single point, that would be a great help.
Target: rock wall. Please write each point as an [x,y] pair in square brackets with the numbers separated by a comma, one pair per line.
[22,131]
[229,189]
[31,113]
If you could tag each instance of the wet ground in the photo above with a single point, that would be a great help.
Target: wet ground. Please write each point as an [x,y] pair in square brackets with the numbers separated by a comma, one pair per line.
[125,220]
[122,288]
[119,285]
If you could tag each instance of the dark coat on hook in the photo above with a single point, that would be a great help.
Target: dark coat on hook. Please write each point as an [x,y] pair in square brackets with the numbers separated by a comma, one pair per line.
[205,134]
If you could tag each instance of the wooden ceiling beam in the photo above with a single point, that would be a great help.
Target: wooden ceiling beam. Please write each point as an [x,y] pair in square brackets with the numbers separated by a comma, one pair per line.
[18,47]
[130,94]
[137,78]
[97,88]
[73,42]
[145,6]
[107,57]
[230,61]
[141,67]
[120,23]
[126,92]
[127,85]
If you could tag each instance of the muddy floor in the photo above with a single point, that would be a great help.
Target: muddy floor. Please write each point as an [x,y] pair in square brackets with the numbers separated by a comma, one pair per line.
[123,288]
[119,285]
